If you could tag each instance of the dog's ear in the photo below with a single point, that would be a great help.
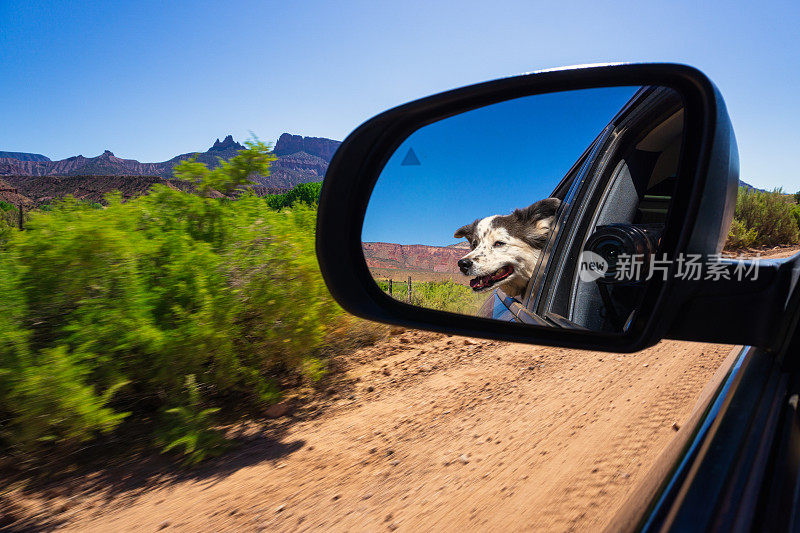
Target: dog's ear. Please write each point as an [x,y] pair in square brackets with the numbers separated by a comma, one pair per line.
[540,210]
[537,219]
[466,231]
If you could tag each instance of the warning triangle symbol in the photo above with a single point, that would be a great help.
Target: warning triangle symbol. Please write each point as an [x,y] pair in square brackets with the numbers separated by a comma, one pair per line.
[410,159]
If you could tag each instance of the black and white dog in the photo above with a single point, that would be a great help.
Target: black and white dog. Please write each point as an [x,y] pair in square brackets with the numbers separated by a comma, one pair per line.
[506,248]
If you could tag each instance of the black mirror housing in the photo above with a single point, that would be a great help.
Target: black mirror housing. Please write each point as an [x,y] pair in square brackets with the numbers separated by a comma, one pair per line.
[698,222]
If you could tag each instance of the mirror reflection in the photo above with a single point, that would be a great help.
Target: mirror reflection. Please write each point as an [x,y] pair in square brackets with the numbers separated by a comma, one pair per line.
[546,210]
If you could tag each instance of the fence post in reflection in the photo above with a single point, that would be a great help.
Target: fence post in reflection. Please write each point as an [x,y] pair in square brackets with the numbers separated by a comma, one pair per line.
[409,289]
[390,286]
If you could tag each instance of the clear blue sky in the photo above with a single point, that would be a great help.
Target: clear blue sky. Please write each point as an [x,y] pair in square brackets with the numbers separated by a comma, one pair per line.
[485,162]
[148,80]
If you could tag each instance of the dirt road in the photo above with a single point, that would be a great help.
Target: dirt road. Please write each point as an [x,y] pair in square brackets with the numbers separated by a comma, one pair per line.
[435,433]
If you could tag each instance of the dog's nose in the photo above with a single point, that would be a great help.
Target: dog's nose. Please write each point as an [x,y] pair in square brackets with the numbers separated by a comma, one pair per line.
[464,264]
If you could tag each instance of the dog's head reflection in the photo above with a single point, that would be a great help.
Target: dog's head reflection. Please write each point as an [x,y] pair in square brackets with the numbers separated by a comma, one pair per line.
[506,248]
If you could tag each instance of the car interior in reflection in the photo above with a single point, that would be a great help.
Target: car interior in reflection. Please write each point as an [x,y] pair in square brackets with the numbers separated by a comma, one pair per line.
[630,177]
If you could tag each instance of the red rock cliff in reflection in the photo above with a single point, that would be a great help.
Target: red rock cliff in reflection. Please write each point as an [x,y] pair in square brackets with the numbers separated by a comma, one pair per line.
[441,259]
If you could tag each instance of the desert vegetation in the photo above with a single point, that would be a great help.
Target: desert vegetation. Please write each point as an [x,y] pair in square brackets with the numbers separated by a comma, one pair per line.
[764,219]
[440,295]
[159,316]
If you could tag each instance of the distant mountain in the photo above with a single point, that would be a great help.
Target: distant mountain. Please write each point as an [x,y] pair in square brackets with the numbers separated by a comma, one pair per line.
[23,156]
[104,164]
[419,261]
[300,160]
[318,146]
[748,186]
[224,149]
[412,257]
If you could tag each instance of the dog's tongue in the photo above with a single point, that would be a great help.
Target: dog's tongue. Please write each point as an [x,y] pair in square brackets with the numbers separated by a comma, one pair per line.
[477,283]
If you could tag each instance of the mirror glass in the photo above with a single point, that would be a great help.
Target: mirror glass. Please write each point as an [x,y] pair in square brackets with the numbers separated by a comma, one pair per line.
[546,209]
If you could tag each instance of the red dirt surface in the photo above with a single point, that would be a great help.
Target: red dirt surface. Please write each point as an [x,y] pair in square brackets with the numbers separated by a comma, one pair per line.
[434,432]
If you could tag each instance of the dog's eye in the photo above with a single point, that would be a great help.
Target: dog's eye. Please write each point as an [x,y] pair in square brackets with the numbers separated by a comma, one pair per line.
[499,243]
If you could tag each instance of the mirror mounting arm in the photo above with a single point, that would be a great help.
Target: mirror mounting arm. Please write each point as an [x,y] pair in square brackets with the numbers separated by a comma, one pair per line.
[738,311]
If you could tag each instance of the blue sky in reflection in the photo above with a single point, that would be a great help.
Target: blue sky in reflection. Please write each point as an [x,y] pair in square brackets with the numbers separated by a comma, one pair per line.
[484,162]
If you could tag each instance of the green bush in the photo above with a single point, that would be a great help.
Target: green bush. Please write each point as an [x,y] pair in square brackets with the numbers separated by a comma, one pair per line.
[739,236]
[229,176]
[763,219]
[305,193]
[6,229]
[52,400]
[192,428]
[796,215]
[107,312]
[9,218]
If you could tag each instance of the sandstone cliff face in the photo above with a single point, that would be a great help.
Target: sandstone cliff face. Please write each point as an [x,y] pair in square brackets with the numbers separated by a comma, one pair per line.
[290,144]
[413,257]
[302,162]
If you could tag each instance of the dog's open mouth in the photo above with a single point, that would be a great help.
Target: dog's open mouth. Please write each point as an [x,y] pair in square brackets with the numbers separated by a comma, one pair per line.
[484,282]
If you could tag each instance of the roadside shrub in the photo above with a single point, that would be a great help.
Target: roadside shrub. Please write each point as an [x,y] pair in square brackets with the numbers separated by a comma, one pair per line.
[305,193]
[796,214]
[154,290]
[740,237]
[441,295]
[52,401]
[160,310]
[9,217]
[763,219]
[191,428]
[6,229]
[229,176]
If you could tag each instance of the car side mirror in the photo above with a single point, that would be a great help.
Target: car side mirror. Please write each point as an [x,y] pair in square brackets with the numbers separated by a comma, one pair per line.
[556,207]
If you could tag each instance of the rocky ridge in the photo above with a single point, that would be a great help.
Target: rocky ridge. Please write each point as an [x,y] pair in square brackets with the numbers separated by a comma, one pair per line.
[318,146]
[299,160]
[23,156]
[384,255]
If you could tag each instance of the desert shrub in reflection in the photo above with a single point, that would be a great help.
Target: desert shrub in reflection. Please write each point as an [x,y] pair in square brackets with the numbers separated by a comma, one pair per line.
[441,295]
[107,312]
[763,219]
